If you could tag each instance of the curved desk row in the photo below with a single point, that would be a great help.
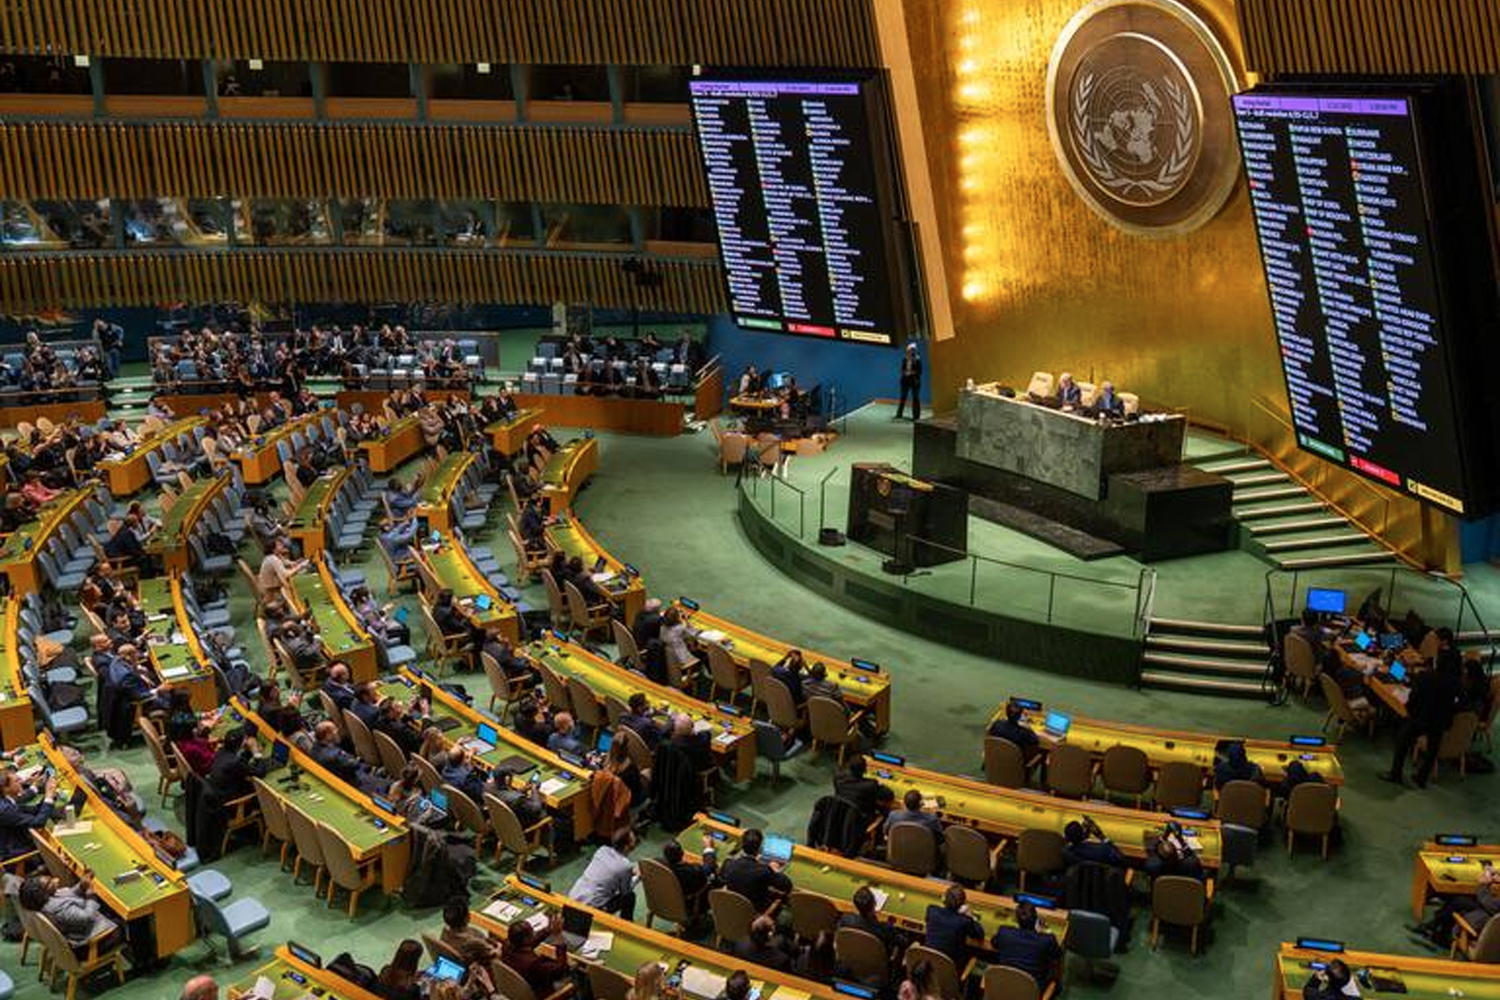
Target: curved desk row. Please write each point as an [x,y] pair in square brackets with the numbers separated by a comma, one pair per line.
[21,554]
[261,462]
[441,486]
[732,734]
[1449,869]
[130,473]
[566,472]
[402,441]
[340,634]
[172,646]
[509,436]
[564,787]
[446,566]
[568,536]
[1163,746]
[309,522]
[17,726]
[294,977]
[1388,975]
[170,542]
[130,878]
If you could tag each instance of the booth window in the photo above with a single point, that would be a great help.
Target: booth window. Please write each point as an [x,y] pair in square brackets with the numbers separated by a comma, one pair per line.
[568,83]
[351,79]
[258,78]
[655,84]
[470,82]
[588,224]
[43,75]
[410,223]
[159,77]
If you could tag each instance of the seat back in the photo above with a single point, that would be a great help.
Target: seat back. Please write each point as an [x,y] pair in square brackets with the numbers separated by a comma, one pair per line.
[392,757]
[607,984]
[506,824]
[586,708]
[556,603]
[1089,935]
[272,812]
[732,448]
[1299,657]
[1458,736]
[1242,802]
[305,837]
[1312,808]
[164,766]
[427,774]
[640,754]
[1179,785]
[1004,764]
[812,914]
[1487,947]
[1178,900]
[912,848]
[359,735]
[968,854]
[339,857]
[55,945]
[465,811]
[1337,703]
[1126,770]
[499,683]
[863,954]
[944,973]
[509,983]
[780,706]
[732,914]
[1006,982]
[437,948]
[664,895]
[1070,771]
[625,643]
[722,670]
[1041,385]
[578,608]
[555,686]
[828,720]
[1039,852]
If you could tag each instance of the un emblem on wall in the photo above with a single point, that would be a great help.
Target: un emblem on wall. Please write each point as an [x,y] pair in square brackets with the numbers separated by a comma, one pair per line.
[1138,110]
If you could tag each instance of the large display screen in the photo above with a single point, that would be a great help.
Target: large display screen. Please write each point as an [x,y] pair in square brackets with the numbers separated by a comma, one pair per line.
[1342,208]
[803,194]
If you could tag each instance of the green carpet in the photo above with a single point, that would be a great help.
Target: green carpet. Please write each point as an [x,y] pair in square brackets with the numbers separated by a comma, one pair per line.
[661,505]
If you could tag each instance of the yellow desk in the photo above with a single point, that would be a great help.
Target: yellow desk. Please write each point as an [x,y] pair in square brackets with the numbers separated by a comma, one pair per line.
[635,944]
[131,473]
[1162,746]
[17,727]
[401,442]
[103,843]
[733,739]
[339,631]
[861,688]
[176,656]
[837,877]
[330,800]
[566,472]
[295,979]
[19,555]
[439,488]
[754,404]
[170,543]
[571,798]
[1423,978]
[451,569]
[259,463]
[509,436]
[625,590]
[1006,812]
[1434,874]
[309,523]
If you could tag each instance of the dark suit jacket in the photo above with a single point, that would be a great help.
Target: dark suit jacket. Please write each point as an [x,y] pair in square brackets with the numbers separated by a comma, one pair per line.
[693,877]
[1035,952]
[342,694]
[753,879]
[338,761]
[1434,694]
[885,932]
[950,931]
[770,956]
[792,681]
[230,773]
[1020,735]
[17,819]
[911,368]
[862,793]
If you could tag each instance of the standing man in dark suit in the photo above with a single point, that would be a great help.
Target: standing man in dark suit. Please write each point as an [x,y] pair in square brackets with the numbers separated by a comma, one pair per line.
[1429,711]
[911,382]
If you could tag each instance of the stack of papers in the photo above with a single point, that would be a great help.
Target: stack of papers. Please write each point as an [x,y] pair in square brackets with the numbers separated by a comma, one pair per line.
[263,989]
[172,673]
[699,726]
[597,944]
[702,983]
[71,829]
[725,738]
[711,635]
[502,911]
[540,922]
[553,785]
[880,897]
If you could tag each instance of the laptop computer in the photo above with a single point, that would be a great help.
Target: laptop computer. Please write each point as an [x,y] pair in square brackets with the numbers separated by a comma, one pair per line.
[600,565]
[1392,641]
[401,614]
[775,848]
[606,740]
[486,733]
[576,926]
[439,799]
[1398,673]
[446,968]
[515,765]
[1057,724]
[483,602]
[1363,641]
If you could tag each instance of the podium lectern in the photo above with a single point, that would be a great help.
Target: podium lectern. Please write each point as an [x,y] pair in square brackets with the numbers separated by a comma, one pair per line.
[915,522]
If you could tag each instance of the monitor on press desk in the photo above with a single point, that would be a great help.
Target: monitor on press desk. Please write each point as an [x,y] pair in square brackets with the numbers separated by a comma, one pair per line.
[487,733]
[1326,602]
[1058,724]
[777,848]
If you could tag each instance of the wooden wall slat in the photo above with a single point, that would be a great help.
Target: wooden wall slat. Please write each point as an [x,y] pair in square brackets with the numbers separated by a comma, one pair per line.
[1375,37]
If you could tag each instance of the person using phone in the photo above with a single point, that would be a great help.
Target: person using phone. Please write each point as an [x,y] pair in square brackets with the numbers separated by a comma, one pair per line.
[1477,910]
[1332,982]
[73,909]
[23,809]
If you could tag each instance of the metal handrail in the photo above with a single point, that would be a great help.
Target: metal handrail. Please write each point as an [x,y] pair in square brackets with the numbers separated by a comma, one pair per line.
[1147,604]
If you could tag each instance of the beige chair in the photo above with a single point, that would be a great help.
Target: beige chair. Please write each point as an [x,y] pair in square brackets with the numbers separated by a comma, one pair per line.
[1126,770]
[364,743]
[1456,741]
[1087,393]
[558,696]
[468,815]
[664,895]
[614,708]
[510,984]
[1429,646]
[167,772]
[630,655]
[587,619]
[724,674]
[440,647]
[437,948]
[640,753]
[768,456]
[1131,402]
[587,711]
[607,984]
[733,447]
[1070,771]
[1341,711]
[812,914]
[528,561]
[1244,803]
[1039,853]
[273,819]
[334,713]
[1180,902]
[64,959]
[1004,763]
[253,580]
[309,846]
[831,725]
[863,954]
[760,672]
[1005,982]
[428,776]
[392,757]
[947,978]
[511,836]
[1179,785]
[1301,663]
[503,687]
[1041,386]
[557,604]
[780,706]
[344,871]
[1312,809]
[1483,946]
[970,857]
[732,914]
[912,848]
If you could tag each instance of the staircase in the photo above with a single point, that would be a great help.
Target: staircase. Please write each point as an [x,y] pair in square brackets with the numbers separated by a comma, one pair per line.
[1206,657]
[1288,526]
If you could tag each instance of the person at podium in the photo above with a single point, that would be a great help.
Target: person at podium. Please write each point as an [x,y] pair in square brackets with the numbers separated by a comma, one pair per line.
[1107,403]
[1069,395]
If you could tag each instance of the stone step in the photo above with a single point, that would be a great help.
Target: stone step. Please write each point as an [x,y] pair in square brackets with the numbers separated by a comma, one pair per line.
[1374,557]
[1202,685]
[1316,542]
[1278,510]
[1203,665]
[1225,467]
[1259,479]
[1159,625]
[1297,524]
[1269,493]
[1223,648]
